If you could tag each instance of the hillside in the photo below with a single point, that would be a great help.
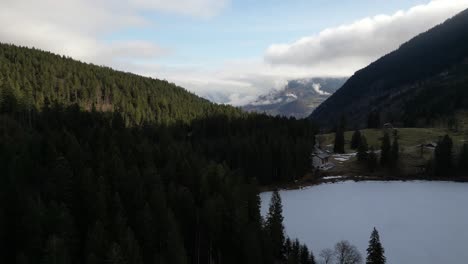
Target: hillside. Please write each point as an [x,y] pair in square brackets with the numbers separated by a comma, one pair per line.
[37,78]
[298,98]
[416,85]
[412,156]
[100,166]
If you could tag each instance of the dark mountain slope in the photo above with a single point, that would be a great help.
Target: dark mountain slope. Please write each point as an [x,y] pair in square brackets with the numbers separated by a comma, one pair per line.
[37,78]
[99,166]
[390,85]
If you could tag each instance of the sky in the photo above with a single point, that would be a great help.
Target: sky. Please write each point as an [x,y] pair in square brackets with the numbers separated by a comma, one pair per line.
[229,51]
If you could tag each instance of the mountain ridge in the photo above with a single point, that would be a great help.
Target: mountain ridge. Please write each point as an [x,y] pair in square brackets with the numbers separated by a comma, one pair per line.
[396,78]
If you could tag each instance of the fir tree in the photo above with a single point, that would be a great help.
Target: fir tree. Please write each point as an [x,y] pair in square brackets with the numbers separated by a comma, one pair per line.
[385,154]
[394,153]
[362,154]
[274,225]
[356,140]
[339,146]
[375,251]
[443,157]
[463,161]
[372,160]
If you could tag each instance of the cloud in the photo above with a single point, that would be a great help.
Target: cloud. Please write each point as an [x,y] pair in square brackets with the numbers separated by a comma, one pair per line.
[349,47]
[78,28]
[197,8]
[334,52]
[316,87]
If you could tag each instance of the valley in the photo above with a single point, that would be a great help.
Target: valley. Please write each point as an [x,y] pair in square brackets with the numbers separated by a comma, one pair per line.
[125,137]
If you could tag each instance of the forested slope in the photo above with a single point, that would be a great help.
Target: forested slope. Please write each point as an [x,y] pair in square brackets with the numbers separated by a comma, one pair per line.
[423,80]
[37,78]
[104,184]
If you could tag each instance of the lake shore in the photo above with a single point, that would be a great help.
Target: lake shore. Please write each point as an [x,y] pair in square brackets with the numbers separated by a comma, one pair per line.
[309,181]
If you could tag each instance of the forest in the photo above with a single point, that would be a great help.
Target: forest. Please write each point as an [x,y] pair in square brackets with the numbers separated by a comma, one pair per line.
[99,166]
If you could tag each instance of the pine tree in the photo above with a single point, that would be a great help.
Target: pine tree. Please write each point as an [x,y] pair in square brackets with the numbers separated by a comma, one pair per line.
[372,160]
[304,256]
[56,252]
[385,154]
[362,154]
[394,153]
[375,251]
[356,139]
[339,146]
[274,225]
[463,161]
[443,157]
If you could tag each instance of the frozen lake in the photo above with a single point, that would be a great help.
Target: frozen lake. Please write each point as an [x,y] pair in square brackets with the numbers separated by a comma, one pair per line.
[418,222]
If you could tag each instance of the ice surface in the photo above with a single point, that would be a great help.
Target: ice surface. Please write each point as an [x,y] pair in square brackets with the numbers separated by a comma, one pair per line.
[419,222]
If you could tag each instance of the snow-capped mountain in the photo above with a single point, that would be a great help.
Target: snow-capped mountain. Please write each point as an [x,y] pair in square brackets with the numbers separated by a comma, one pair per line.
[298,98]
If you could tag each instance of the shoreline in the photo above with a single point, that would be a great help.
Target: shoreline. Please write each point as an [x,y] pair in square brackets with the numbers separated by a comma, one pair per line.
[344,178]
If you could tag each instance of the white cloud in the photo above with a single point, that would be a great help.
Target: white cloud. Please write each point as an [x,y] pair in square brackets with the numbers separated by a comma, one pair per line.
[316,87]
[199,8]
[349,47]
[334,52]
[76,28]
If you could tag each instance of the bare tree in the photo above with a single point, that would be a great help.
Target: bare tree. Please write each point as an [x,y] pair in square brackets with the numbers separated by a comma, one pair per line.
[326,256]
[345,253]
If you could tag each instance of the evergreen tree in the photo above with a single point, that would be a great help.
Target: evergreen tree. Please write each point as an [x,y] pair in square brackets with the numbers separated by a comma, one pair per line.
[362,150]
[375,251]
[394,153]
[443,157]
[463,161]
[339,146]
[385,154]
[56,252]
[356,139]
[372,161]
[274,225]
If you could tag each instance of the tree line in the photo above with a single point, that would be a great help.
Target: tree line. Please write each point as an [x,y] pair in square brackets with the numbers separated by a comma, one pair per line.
[117,168]
[293,252]
[447,161]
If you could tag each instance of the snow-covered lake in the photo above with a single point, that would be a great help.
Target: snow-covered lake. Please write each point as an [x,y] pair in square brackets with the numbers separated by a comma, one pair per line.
[418,222]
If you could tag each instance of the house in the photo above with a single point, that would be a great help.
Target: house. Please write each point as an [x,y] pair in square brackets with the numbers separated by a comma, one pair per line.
[321,159]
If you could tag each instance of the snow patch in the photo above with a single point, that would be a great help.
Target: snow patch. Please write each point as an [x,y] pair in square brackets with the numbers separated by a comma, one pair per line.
[333,177]
[291,95]
[317,89]
[344,157]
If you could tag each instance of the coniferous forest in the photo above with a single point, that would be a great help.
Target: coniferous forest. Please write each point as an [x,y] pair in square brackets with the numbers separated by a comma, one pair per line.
[100,166]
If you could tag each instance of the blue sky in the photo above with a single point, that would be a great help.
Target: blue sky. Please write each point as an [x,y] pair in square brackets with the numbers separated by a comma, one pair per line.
[245,28]
[229,51]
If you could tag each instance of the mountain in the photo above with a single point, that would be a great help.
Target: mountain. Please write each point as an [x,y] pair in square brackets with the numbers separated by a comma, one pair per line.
[422,81]
[298,98]
[101,166]
[37,78]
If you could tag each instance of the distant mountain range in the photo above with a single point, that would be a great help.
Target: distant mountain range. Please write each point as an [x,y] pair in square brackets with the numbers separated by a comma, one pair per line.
[423,82]
[298,98]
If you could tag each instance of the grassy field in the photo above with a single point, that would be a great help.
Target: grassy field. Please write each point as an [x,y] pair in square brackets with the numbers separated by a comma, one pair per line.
[407,137]
[410,139]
